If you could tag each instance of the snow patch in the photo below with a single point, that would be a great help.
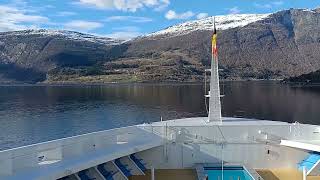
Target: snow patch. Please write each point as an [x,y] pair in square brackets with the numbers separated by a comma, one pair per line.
[222,22]
[66,34]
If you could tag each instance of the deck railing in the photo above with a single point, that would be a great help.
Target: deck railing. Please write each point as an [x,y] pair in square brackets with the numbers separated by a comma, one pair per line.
[41,154]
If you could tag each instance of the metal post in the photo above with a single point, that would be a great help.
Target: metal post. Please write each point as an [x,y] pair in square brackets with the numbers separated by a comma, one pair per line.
[152,173]
[222,160]
[304,171]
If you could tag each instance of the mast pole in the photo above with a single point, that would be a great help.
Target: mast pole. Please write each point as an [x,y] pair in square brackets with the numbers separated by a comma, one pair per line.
[214,101]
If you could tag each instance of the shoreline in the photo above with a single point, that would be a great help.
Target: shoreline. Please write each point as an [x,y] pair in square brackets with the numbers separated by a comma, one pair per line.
[130,83]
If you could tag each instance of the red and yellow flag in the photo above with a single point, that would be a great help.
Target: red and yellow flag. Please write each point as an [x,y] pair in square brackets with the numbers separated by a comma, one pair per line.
[214,43]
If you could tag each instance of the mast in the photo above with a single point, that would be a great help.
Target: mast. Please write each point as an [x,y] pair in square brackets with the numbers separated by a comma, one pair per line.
[214,93]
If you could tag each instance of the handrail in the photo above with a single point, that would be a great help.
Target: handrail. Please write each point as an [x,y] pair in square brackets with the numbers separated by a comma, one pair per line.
[37,155]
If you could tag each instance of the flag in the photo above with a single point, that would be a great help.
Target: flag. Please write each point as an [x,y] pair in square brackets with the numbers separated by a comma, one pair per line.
[214,43]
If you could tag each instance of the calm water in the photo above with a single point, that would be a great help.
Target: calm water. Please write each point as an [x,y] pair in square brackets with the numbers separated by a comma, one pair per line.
[31,114]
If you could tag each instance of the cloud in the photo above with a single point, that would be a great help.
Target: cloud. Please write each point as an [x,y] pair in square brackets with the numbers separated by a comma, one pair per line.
[163,5]
[80,25]
[277,3]
[136,19]
[124,35]
[269,5]
[263,6]
[127,28]
[202,15]
[173,15]
[234,10]
[125,32]
[12,18]
[125,5]
[66,13]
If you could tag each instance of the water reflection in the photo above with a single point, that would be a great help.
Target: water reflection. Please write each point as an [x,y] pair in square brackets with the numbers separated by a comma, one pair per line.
[30,114]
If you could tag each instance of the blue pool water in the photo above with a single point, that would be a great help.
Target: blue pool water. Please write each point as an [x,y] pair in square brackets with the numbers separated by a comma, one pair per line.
[229,173]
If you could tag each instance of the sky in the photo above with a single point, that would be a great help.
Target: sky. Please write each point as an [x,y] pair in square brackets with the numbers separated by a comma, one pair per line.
[126,19]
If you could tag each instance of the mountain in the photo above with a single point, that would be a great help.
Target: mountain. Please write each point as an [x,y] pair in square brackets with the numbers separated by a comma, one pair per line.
[310,78]
[222,23]
[273,46]
[29,56]
[251,46]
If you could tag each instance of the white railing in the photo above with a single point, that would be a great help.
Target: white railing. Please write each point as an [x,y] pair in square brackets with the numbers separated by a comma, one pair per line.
[37,155]
[236,134]
[18,159]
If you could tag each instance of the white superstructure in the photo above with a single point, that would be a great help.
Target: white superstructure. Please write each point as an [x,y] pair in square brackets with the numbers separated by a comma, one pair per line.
[174,144]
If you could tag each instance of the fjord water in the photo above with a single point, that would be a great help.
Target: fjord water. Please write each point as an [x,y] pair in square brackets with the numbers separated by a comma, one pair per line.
[31,114]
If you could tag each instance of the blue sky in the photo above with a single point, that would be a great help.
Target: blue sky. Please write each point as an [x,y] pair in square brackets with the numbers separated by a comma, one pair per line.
[127,18]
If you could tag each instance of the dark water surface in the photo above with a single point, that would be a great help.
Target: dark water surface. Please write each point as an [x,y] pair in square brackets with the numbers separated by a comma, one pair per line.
[31,114]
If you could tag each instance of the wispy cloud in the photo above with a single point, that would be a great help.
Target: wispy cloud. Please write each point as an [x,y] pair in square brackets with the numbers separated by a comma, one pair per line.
[136,19]
[173,15]
[202,15]
[12,18]
[66,13]
[163,5]
[270,5]
[125,5]
[125,33]
[277,3]
[81,25]
[127,28]
[234,10]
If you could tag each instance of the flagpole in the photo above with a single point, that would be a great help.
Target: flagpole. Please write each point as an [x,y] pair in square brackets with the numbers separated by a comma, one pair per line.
[214,101]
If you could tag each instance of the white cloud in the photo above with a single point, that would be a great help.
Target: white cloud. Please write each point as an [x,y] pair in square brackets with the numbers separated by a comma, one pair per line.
[173,15]
[66,13]
[277,3]
[125,5]
[234,10]
[125,32]
[84,26]
[264,6]
[102,4]
[163,5]
[137,19]
[127,28]
[12,18]
[124,35]
[202,15]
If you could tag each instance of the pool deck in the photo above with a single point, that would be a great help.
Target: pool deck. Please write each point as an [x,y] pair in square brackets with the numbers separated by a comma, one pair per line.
[283,174]
[169,174]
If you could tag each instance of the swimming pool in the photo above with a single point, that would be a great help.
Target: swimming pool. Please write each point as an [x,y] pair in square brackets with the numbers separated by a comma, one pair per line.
[229,173]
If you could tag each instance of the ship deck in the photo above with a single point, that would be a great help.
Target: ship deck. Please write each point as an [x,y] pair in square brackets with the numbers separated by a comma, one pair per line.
[59,158]
[226,121]
[284,174]
[169,174]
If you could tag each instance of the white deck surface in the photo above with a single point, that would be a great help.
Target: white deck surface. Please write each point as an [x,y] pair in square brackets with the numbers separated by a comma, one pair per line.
[226,121]
[58,170]
[71,164]
[311,145]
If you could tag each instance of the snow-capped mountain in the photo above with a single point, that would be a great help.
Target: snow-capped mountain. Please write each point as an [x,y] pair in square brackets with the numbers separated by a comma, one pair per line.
[278,45]
[222,22]
[72,35]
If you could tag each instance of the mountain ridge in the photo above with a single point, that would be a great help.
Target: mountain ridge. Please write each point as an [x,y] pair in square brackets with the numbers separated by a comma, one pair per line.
[269,46]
